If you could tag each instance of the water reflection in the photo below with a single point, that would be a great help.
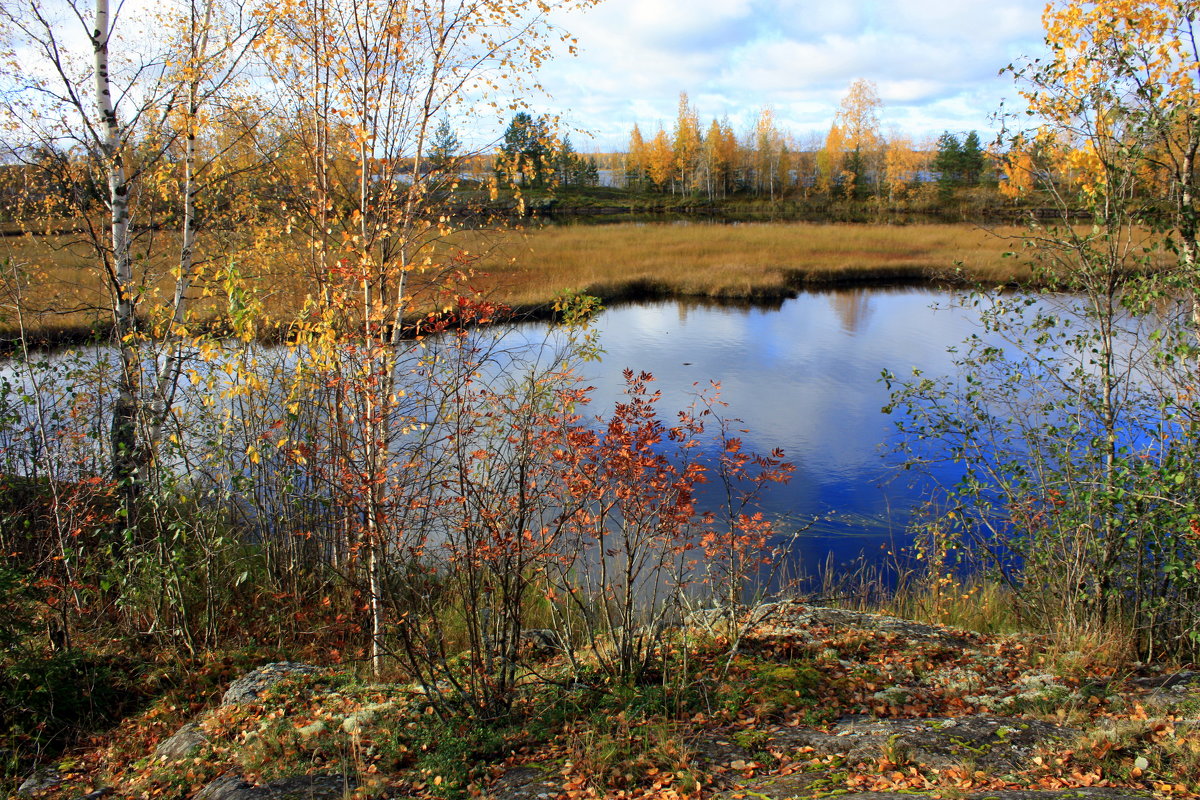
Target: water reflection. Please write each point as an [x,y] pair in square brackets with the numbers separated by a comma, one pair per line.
[804,377]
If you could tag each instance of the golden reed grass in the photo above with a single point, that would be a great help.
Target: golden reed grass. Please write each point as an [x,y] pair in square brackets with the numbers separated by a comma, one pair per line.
[62,294]
[755,260]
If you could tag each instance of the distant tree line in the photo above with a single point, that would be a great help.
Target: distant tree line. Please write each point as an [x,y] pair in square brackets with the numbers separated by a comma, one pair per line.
[855,161]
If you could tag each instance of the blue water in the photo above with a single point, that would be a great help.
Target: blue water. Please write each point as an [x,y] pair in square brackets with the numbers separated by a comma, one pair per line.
[804,377]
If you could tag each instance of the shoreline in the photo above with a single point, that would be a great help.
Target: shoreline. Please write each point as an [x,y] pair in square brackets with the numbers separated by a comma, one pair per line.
[52,338]
[760,263]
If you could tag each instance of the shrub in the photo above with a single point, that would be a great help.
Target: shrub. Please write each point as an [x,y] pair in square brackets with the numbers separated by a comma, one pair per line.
[48,701]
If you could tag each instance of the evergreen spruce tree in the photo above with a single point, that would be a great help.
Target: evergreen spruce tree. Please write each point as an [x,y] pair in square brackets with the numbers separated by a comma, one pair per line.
[525,154]
[971,160]
[443,148]
[948,162]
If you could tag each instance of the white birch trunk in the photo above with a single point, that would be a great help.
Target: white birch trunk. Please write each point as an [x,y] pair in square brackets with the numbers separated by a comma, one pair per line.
[168,373]
[125,457]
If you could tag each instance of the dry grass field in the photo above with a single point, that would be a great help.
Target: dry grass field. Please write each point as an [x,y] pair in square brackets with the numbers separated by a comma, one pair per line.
[63,297]
[750,261]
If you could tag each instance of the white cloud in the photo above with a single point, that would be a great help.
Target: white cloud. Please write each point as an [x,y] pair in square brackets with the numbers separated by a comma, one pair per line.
[973,19]
[935,63]
[805,17]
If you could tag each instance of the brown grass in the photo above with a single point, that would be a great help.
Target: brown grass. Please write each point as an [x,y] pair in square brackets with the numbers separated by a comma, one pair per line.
[751,261]
[56,282]
[757,261]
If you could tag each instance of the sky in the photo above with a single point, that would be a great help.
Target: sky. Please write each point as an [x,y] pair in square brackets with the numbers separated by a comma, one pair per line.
[935,63]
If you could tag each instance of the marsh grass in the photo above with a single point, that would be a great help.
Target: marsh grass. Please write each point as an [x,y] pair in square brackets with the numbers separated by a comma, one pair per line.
[932,593]
[911,589]
[63,298]
[744,261]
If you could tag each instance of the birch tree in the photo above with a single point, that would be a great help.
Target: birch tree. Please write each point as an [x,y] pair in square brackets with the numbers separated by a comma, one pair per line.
[686,143]
[902,166]
[1085,495]
[113,100]
[635,165]
[858,123]
[362,84]
[660,159]
[1122,85]
[769,150]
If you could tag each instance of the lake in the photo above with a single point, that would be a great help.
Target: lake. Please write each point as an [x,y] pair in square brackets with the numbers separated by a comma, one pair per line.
[805,377]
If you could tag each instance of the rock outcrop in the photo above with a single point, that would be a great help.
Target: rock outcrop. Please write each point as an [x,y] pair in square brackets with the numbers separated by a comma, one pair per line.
[303,787]
[924,709]
[248,687]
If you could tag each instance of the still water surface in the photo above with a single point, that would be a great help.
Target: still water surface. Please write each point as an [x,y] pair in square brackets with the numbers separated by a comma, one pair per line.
[804,377]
